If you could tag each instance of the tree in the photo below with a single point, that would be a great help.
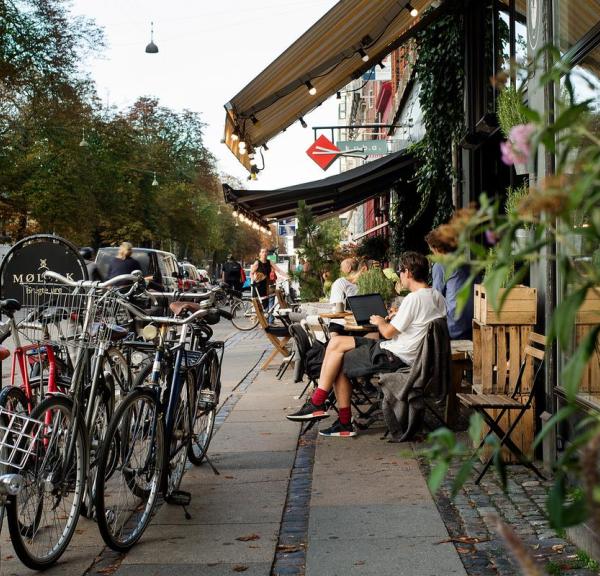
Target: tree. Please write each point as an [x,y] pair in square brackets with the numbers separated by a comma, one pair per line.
[318,242]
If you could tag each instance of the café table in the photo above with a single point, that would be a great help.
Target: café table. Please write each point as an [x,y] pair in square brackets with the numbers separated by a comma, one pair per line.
[350,324]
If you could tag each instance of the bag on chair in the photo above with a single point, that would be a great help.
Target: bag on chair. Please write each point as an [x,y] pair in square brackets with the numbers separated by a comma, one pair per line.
[314,359]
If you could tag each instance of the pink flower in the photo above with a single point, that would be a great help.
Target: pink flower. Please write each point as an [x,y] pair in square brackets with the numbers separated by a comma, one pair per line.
[517,149]
[491,237]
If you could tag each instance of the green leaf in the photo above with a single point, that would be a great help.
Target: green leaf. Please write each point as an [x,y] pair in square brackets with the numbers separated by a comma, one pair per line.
[461,477]
[475,428]
[564,413]
[574,368]
[500,466]
[494,281]
[437,475]
[563,318]
[561,512]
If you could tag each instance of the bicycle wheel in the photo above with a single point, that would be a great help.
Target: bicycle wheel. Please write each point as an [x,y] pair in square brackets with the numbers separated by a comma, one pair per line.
[243,315]
[125,499]
[205,408]
[43,516]
[181,435]
[13,399]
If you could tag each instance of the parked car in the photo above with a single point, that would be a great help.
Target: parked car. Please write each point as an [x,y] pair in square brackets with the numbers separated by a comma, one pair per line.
[191,280]
[162,266]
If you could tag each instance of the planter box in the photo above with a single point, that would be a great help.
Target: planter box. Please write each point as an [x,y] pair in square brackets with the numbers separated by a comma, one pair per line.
[520,307]
[589,313]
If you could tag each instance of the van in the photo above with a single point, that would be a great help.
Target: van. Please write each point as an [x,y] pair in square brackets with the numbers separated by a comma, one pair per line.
[162,266]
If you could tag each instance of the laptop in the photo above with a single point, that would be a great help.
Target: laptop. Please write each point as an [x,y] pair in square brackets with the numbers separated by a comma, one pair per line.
[363,307]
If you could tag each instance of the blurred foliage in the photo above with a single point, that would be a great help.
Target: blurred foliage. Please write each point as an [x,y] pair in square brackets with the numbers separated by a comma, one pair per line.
[374,281]
[552,208]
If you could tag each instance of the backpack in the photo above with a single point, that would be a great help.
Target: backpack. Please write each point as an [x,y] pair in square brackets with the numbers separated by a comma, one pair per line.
[314,359]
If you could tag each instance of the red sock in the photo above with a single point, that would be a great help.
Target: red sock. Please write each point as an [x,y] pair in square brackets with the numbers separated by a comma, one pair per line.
[345,415]
[319,396]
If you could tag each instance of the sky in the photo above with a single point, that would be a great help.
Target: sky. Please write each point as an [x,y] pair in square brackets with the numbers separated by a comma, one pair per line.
[208,51]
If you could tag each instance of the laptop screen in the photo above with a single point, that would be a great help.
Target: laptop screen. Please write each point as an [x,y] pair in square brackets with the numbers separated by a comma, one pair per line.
[363,307]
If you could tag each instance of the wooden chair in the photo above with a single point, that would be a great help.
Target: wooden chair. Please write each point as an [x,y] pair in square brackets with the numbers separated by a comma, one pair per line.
[278,335]
[481,403]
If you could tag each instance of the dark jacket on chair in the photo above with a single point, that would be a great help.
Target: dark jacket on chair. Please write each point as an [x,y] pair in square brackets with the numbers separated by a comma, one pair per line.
[404,392]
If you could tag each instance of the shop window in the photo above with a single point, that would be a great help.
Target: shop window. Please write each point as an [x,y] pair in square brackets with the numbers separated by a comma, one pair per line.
[576,19]
[583,252]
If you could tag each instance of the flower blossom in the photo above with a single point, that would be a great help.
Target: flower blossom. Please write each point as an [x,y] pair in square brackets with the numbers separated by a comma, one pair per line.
[517,149]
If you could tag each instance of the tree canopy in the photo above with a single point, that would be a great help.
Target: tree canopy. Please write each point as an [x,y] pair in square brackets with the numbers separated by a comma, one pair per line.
[95,175]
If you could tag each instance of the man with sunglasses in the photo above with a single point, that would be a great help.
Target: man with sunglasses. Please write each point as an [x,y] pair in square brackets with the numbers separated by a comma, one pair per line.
[403,336]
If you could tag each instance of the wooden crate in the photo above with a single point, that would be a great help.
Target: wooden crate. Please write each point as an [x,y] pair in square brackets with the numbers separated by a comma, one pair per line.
[522,435]
[589,312]
[590,381]
[498,351]
[520,306]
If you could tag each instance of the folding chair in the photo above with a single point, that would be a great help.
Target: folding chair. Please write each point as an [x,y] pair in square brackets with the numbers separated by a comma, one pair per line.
[278,335]
[480,403]
[283,302]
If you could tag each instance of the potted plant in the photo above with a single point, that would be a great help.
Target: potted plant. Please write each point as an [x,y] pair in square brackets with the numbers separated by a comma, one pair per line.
[375,281]
[513,198]
[512,122]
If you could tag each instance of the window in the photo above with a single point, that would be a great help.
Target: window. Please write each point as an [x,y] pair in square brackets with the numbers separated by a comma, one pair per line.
[580,249]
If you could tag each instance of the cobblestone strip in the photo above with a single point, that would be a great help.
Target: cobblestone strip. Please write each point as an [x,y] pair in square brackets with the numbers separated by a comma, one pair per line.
[290,554]
[470,520]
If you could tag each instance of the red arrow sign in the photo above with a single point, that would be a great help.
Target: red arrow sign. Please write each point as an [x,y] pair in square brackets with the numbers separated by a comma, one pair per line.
[323,151]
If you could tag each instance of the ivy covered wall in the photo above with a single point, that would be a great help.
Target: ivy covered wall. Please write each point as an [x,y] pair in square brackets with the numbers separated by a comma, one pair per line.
[440,72]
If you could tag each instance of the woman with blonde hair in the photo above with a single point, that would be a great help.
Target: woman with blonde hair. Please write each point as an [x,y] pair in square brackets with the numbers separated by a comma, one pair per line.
[123,263]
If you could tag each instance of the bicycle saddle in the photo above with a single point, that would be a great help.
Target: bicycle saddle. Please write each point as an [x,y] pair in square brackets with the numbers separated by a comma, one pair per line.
[178,308]
[115,332]
[4,353]
[10,305]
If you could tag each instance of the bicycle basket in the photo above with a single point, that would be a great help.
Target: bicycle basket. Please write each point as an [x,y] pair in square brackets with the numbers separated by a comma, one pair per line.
[18,437]
[65,316]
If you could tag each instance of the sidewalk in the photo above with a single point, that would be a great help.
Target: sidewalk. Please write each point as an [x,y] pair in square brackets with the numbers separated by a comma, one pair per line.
[318,506]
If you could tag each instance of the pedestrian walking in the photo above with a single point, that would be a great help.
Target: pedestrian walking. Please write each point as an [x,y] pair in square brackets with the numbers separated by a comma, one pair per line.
[232,273]
[123,263]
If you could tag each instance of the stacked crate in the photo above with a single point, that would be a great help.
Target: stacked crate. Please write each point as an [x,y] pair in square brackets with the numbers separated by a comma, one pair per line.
[499,341]
[587,317]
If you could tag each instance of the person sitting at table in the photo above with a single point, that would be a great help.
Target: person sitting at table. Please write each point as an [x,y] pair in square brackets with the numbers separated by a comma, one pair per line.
[404,334]
[442,240]
[343,287]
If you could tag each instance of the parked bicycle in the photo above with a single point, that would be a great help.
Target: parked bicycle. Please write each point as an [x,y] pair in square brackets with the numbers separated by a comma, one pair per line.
[166,418]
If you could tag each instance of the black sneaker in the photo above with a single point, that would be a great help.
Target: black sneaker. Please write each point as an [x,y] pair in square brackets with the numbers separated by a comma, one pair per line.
[309,411]
[339,429]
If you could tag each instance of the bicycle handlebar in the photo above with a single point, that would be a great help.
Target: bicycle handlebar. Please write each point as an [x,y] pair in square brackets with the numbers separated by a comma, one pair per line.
[122,278]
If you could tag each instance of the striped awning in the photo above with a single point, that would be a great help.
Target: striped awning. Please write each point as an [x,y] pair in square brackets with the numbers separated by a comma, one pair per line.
[327,57]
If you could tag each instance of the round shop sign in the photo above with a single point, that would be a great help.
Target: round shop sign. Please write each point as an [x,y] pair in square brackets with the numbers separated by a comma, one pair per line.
[29,258]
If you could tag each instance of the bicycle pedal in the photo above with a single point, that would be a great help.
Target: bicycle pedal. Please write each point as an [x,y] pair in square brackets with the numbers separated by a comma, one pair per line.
[179,498]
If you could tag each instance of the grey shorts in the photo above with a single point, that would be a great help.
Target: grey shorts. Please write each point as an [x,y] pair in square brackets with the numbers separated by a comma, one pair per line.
[369,358]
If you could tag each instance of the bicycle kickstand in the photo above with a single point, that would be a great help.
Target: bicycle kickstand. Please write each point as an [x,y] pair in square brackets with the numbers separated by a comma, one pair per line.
[214,469]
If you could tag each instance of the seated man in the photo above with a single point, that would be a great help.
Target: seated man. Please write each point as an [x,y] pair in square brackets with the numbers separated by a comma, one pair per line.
[343,287]
[404,334]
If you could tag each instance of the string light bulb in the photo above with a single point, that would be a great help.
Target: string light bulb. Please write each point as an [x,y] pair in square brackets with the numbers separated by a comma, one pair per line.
[303,122]
[311,89]
[154,181]
[364,56]
[235,213]
[235,136]
[413,11]
[242,145]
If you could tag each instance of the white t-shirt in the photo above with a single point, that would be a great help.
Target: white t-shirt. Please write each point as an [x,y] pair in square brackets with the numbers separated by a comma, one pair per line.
[341,289]
[417,310]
